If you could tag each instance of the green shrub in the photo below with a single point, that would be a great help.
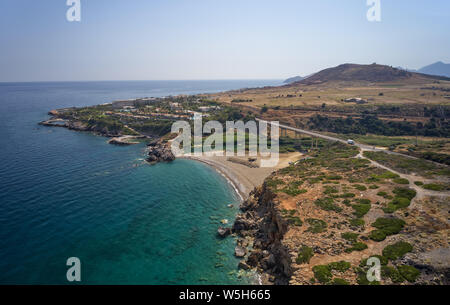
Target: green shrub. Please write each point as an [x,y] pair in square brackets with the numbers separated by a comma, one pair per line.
[350,236]
[340,282]
[374,187]
[358,246]
[295,221]
[316,225]
[273,183]
[397,250]
[386,227]
[364,201]
[360,187]
[340,266]
[377,235]
[330,190]
[347,195]
[396,204]
[434,187]
[293,189]
[409,273]
[304,255]
[290,218]
[357,222]
[361,209]
[322,273]
[327,204]
[418,183]
[392,273]
[334,177]
[383,260]
[387,175]
[382,194]
[403,197]
[401,181]
[362,278]
[404,192]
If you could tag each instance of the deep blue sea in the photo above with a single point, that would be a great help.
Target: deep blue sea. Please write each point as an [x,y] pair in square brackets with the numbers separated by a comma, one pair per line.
[70,194]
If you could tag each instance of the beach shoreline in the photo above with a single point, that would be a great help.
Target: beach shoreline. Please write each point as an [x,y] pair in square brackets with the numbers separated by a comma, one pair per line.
[242,178]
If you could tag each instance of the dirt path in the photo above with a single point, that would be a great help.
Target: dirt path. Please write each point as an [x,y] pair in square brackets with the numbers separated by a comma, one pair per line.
[421,193]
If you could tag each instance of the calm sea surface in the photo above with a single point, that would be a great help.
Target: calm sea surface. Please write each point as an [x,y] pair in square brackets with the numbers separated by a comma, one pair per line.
[70,194]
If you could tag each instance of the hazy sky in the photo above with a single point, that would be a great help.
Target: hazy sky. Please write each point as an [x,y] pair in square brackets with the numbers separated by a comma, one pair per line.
[214,39]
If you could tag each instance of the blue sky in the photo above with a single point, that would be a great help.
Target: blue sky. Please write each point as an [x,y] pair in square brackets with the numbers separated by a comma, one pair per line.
[213,39]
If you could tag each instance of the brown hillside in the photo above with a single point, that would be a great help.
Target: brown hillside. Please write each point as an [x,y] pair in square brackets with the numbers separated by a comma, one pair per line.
[368,73]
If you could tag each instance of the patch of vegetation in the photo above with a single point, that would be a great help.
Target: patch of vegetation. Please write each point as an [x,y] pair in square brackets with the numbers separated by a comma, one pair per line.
[386,227]
[291,219]
[361,209]
[404,192]
[305,254]
[397,250]
[383,260]
[401,181]
[402,199]
[347,195]
[340,266]
[383,194]
[273,183]
[340,282]
[362,277]
[293,189]
[360,187]
[364,201]
[350,236]
[418,183]
[377,235]
[434,187]
[392,273]
[316,225]
[327,204]
[387,175]
[410,273]
[374,187]
[357,222]
[358,246]
[322,273]
[409,165]
[371,123]
[330,190]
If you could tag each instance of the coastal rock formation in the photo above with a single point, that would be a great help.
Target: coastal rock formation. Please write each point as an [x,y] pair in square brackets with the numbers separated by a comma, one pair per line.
[223,232]
[240,251]
[159,151]
[261,221]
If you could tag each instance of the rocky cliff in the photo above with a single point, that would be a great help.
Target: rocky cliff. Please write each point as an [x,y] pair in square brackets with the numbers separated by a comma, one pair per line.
[261,228]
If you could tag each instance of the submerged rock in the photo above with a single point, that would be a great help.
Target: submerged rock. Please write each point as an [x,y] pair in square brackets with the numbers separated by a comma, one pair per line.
[243,266]
[223,232]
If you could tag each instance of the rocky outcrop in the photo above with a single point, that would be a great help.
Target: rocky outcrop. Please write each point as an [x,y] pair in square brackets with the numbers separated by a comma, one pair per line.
[79,126]
[223,232]
[159,151]
[261,222]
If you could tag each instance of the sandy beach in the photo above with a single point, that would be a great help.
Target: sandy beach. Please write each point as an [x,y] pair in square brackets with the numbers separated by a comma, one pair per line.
[242,177]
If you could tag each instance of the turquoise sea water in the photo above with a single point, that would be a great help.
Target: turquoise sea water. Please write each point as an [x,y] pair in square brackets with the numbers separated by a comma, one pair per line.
[65,194]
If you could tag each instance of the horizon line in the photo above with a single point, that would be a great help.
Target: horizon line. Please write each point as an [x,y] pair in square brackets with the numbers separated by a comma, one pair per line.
[141,80]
